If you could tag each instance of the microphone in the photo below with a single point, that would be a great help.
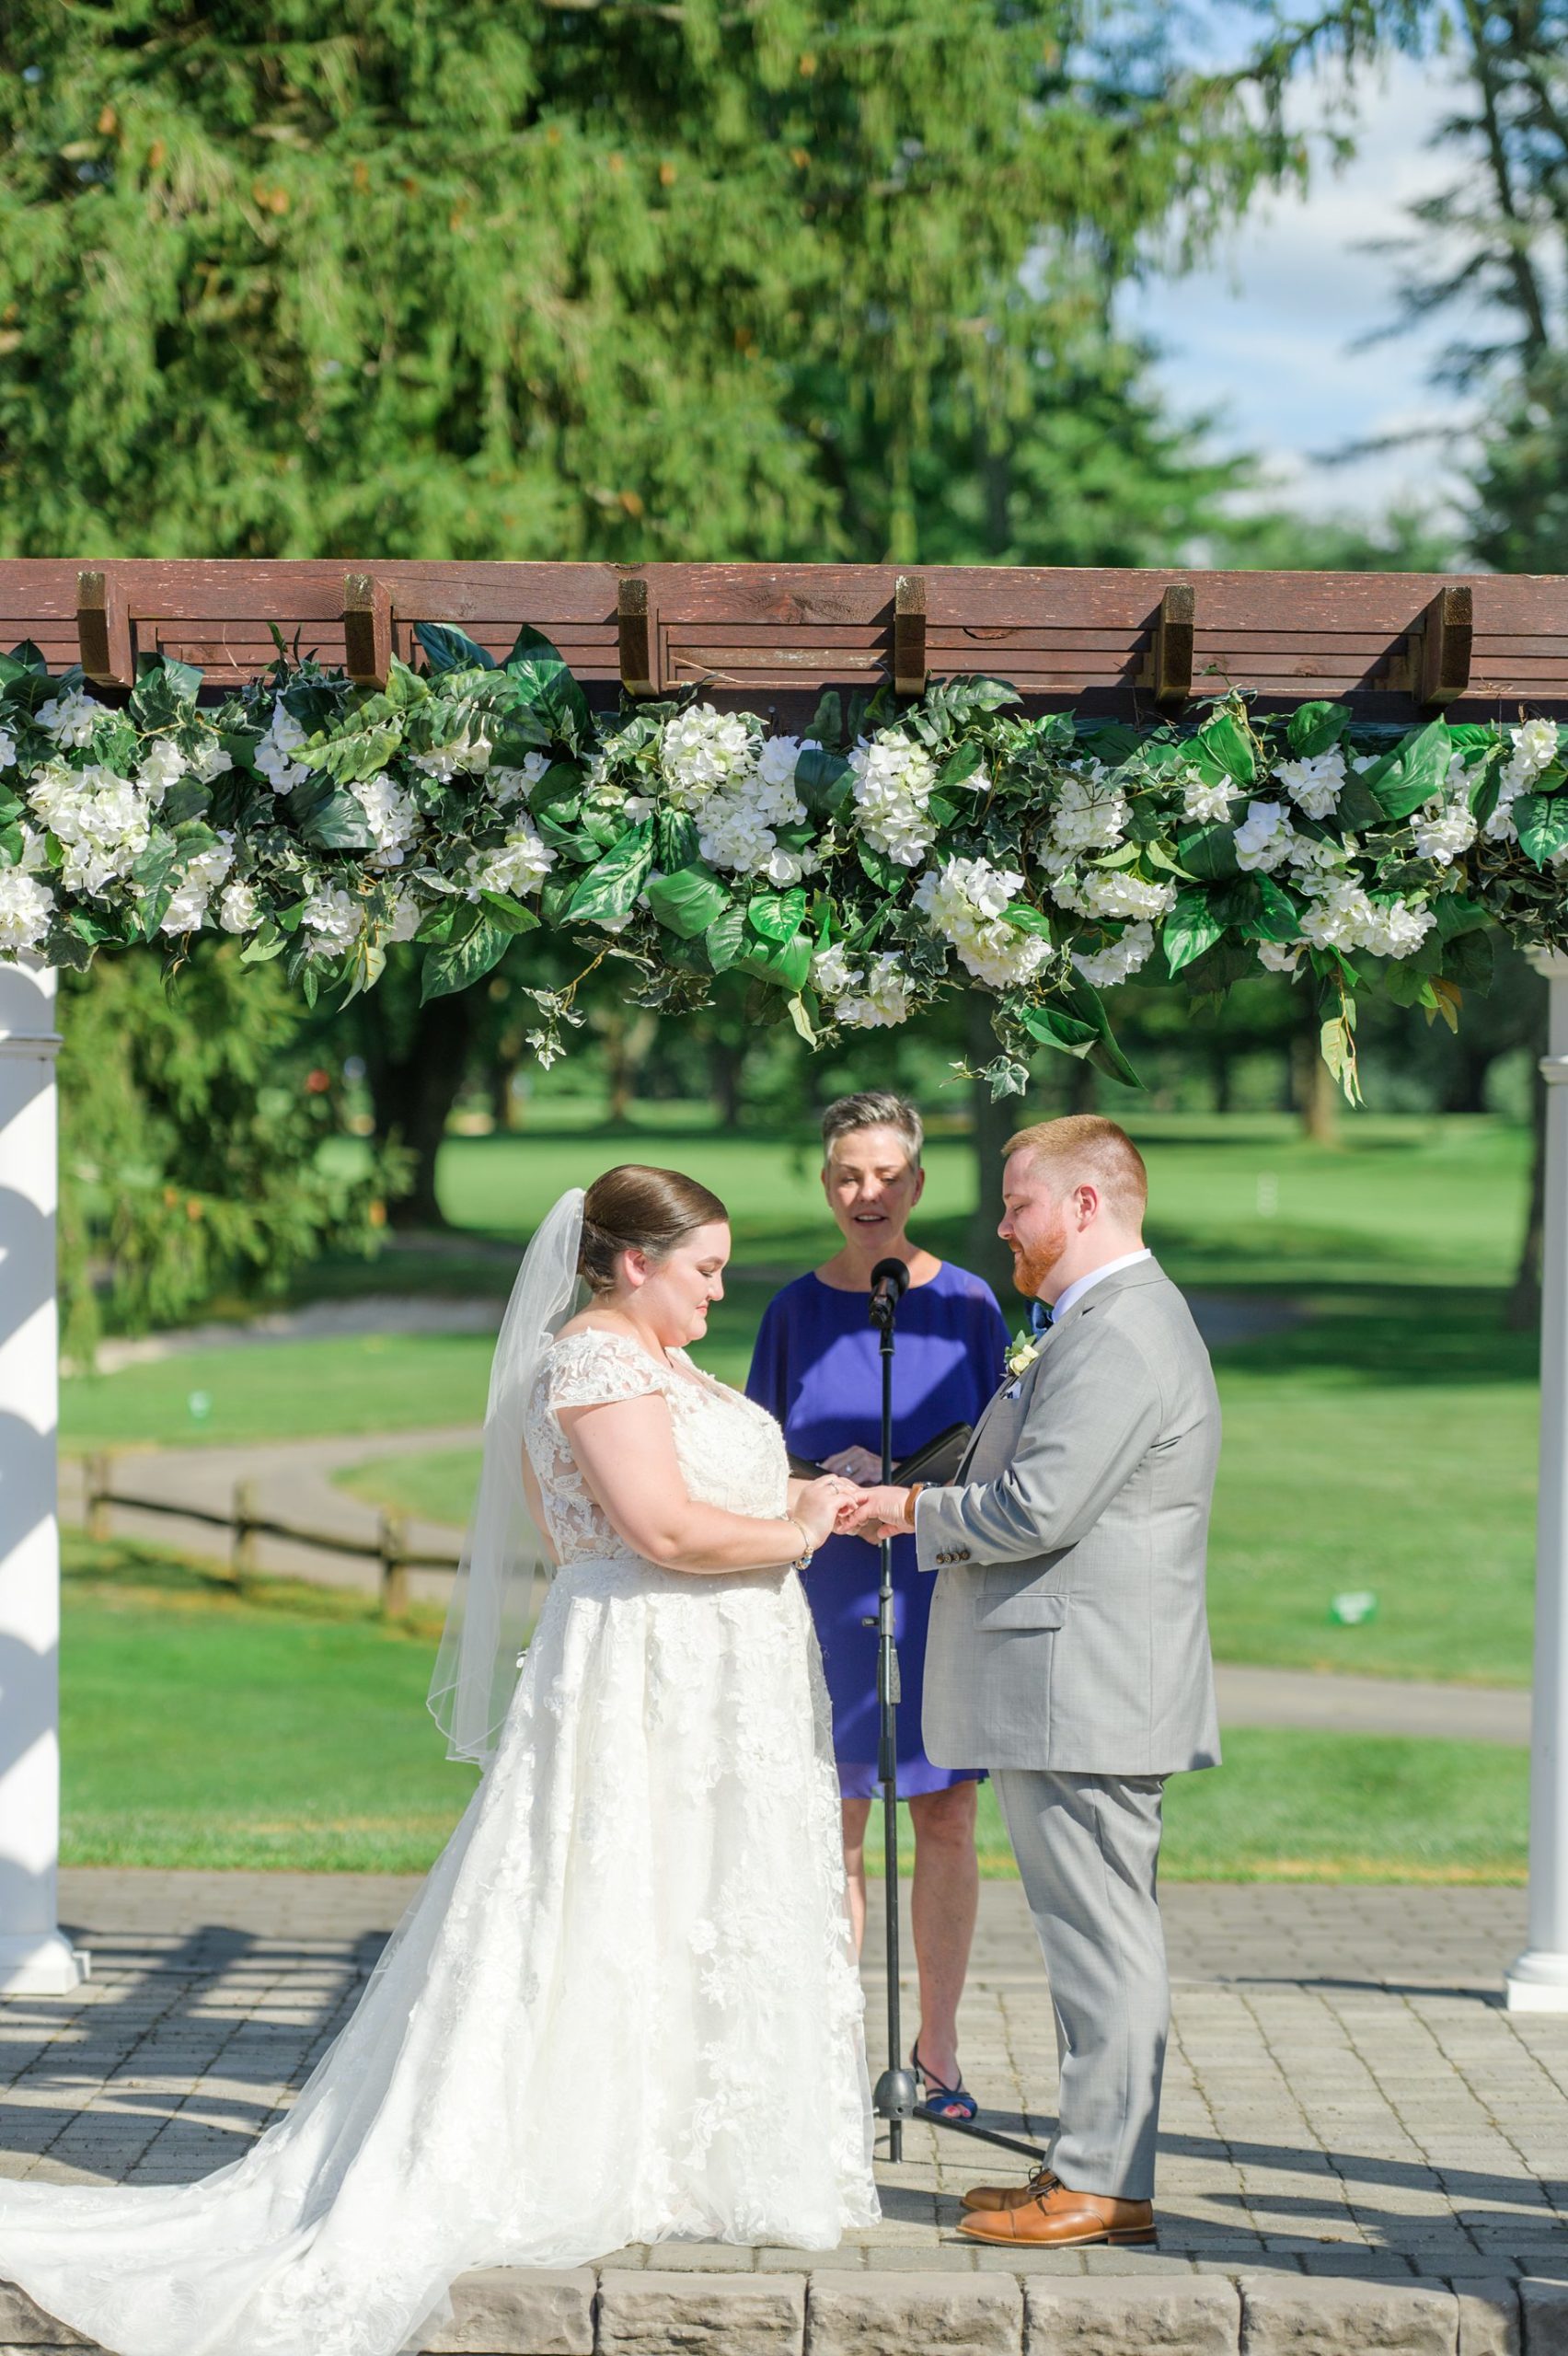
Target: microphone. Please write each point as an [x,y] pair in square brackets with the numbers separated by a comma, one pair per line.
[890,1281]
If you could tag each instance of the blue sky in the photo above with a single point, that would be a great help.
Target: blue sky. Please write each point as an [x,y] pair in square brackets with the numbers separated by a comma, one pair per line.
[1265,334]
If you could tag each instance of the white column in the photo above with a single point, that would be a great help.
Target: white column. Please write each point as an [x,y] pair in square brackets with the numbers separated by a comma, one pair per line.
[34,1958]
[1538,1981]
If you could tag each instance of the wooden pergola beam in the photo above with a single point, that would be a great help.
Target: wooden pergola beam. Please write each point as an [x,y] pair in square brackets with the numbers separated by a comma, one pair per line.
[909,659]
[368,628]
[103,629]
[637,634]
[1175,627]
[1448,636]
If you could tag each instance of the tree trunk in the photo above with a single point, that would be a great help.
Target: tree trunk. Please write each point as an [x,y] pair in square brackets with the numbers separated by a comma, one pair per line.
[993,1121]
[726,1062]
[1219,1069]
[1465,1092]
[413,1092]
[628,1038]
[1317,1092]
[1523,1312]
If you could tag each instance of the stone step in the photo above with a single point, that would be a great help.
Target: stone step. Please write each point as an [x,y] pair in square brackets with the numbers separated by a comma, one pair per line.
[828,2310]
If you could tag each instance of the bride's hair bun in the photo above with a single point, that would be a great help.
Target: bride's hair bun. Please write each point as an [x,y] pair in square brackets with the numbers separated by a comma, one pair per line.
[635,1208]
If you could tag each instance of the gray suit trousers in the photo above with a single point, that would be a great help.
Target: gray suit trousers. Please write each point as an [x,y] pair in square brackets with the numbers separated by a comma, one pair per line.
[1087,1848]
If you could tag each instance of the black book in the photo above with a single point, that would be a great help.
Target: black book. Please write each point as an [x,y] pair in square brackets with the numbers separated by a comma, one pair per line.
[938,1462]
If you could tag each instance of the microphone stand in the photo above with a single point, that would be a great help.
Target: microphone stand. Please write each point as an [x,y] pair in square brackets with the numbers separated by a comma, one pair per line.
[895,2094]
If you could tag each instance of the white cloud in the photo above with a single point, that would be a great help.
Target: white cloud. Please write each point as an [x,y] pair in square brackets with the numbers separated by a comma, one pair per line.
[1266,335]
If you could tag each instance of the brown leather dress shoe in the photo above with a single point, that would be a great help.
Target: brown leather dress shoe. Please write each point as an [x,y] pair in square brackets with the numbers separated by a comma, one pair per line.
[1010,2196]
[1061,2219]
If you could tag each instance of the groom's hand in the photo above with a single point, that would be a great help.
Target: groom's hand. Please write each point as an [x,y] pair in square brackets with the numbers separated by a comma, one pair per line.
[877,1513]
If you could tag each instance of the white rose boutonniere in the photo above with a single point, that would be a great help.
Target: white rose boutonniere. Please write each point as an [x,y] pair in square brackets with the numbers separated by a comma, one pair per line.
[1024,1353]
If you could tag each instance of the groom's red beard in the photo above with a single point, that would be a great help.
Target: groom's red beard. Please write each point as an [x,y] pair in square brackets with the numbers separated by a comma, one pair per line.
[1032,1263]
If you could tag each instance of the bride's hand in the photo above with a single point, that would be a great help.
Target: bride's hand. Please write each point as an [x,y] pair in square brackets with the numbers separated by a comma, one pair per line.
[820,1505]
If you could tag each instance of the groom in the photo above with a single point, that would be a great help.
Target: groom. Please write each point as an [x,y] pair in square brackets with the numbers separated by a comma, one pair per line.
[1068,1648]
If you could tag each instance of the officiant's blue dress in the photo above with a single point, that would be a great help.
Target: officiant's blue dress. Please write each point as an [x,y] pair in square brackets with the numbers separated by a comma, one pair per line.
[817,1367]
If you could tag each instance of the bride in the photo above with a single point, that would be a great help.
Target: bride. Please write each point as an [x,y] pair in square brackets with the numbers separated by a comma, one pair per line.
[624,2007]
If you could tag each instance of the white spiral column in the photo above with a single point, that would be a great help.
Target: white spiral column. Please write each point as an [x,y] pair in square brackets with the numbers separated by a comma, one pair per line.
[1538,1981]
[35,1959]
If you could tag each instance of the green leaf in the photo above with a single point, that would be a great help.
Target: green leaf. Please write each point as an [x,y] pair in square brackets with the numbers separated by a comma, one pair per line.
[164,693]
[268,942]
[611,886]
[727,938]
[962,765]
[1110,740]
[787,963]
[1315,728]
[675,839]
[507,914]
[1208,851]
[1412,772]
[463,962]
[1023,918]
[548,685]
[777,916]
[573,841]
[446,649]
[1054,1027]
[1085,1001]
[404,687]
[823,781]
[186,798]
[799,1015]
[1542,822]
[827,722]
[1470,959]
[1228,746]
[689,902]
[329,817]
[886,873]
[1275,915]
[1190,928]
[1456,915]
[354,754]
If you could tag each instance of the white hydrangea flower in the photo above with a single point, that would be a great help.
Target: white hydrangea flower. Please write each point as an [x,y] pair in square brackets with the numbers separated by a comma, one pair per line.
[70,719]
[406,917]
[392,815]
[210,760]
[1111,965]
[518,867]
[26,907]
[1393,928]
[187,911]
[238,908]
[1338,918]
[1315,784]
[963,901]
[1203,801]
[1090,813]
[702,749]
[102,819]
[832,972]
[336,918]
[776,762]
[1264,836]
[1444,830]
[276,750]
[894,779]
[466,755]
[881,1000]
[1274,957]
[7,749]
[1311,860]
[510,785]
[1111,892]
[1534,747]
[161,765]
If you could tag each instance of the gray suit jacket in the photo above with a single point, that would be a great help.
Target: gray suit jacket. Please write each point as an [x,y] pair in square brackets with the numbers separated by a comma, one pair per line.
[1068,1628]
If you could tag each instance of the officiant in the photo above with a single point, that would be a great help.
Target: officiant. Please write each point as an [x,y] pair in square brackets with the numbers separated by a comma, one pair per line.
[816,1367]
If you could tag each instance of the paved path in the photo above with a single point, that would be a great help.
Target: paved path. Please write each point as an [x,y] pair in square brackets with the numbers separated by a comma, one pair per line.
[1344,2095]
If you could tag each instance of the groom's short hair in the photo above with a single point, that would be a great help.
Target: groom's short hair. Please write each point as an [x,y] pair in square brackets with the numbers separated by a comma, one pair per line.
[1084,1149]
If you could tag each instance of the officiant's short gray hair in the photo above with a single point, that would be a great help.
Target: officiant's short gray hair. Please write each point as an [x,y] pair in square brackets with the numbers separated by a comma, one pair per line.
[873,1108]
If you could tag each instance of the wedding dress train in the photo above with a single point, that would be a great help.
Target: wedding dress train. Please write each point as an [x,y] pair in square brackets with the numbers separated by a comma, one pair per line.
[624,2007]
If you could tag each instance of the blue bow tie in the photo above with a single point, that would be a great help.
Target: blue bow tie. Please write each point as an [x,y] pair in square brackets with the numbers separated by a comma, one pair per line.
[1041,1316]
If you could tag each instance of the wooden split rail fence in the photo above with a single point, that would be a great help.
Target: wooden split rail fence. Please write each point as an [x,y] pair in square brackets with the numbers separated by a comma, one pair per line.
[390,1547]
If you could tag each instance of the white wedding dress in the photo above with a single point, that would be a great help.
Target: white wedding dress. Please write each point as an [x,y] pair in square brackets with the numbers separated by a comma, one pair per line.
[624,2007]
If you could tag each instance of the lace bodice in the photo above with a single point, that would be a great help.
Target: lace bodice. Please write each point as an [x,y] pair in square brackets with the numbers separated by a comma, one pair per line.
[731,1451]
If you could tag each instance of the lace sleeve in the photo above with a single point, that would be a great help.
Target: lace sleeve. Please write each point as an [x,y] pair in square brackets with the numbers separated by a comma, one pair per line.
[590,1368]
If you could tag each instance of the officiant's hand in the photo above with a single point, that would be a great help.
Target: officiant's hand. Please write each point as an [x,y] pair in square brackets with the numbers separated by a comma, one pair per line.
[857,1464]
[879,1513]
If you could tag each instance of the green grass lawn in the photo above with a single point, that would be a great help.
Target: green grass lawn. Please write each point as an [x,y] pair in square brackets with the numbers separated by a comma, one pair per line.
[284,1726]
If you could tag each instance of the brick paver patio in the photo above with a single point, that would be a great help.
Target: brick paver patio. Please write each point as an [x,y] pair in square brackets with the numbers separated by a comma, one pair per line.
[1345,2093]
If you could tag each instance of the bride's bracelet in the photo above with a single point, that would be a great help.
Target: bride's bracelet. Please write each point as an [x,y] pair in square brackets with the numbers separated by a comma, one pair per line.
[802,1560]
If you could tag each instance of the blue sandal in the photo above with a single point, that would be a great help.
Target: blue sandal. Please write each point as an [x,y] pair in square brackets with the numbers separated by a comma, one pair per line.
[943,2099]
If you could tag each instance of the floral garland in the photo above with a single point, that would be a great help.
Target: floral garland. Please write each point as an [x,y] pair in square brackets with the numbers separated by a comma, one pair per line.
[853,874]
